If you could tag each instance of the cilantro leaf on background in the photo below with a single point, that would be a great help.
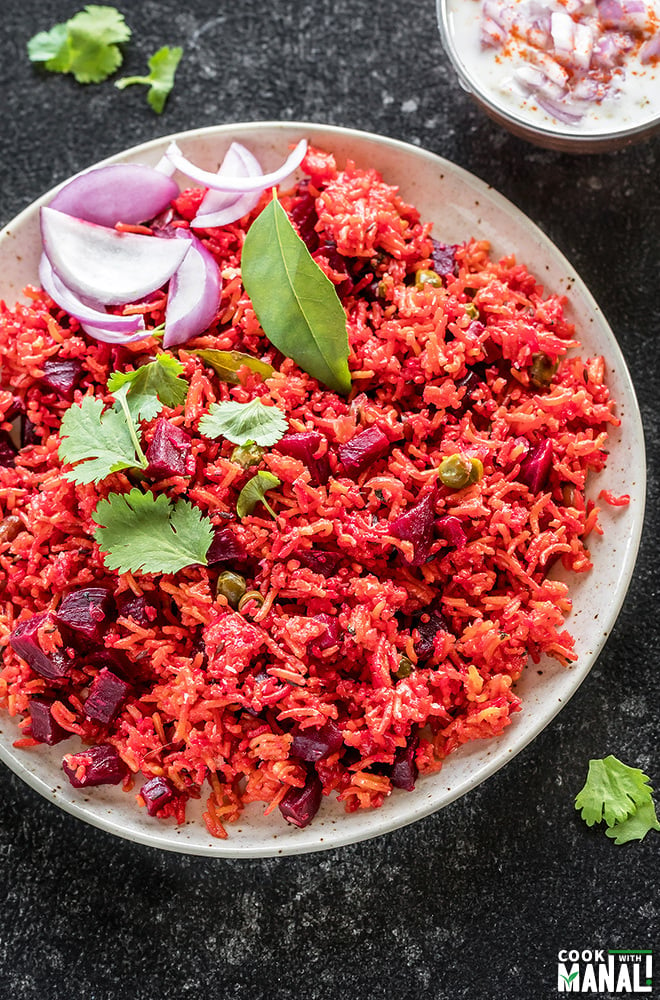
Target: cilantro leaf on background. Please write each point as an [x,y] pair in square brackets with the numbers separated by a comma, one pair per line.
[163,66]
[151,387]
[243,422]
[140,532]
[86,45]
[96,443]
[636,826]
[612,792]
[254,492]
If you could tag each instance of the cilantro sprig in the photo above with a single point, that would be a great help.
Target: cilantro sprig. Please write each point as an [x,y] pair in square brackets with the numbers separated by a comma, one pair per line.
[621,797]
[87,45]
[243,422]
[98,442]
[140,532]
[160,80]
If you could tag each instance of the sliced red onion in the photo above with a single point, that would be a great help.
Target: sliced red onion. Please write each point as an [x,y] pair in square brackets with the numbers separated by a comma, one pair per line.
[101,264]
[650,50]
[102,325]
[219,208]
[194,294]
[120,192]
[240,185]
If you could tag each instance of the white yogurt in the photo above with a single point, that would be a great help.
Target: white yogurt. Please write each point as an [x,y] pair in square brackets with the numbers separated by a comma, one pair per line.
[495,73]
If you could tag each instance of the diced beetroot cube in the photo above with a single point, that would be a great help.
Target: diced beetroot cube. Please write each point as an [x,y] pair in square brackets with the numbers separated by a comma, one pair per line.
[29,434]
[24,640]
[416,526]
[43,726]
[300,805]
[102,764]
[8,451]
[535,469]
[304,447]
[168,452]
[451,529]
[315,744]
[87,612]
[404,769]
[318,561]
[363,449]
[428,624]
[328,638]
[443,258]
[106,696]
[156,793]
[137,607]
[62,375]
[304,216]
[226,547]
[114,660]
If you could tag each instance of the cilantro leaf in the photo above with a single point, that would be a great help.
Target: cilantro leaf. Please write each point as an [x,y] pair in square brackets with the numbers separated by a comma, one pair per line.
[151,387]
[613,792]
[243,422]
[86,45]
[254,492]
[95,443]
[636,826]
[163,66]
[48,44]
[142,533]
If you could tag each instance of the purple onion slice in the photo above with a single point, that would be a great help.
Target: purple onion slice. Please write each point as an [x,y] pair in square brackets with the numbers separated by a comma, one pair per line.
[104,265]
[194,294]
[96,322]
[219,208]
[120,192]
[239,185]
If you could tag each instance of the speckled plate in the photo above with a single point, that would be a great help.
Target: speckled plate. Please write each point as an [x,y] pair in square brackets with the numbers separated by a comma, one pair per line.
[460,206]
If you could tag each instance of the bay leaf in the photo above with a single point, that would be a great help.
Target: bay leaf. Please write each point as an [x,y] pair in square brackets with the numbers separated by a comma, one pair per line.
[227,363]
[295,302]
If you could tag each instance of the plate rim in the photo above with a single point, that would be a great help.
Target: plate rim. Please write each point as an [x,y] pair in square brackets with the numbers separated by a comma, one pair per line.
[424,805]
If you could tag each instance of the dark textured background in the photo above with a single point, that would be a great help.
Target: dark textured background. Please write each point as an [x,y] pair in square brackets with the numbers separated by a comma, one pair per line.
[475,901]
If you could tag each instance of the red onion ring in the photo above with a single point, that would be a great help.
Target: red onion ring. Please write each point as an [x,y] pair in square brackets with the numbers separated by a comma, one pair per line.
[237,185]
[219,208]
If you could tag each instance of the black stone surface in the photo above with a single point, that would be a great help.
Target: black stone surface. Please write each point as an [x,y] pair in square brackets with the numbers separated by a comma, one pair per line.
[475,901]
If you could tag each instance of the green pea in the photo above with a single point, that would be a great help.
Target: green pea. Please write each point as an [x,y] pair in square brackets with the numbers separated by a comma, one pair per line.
[247,454]
[405,668]
[232,587]
[472,310]
[457,471]
[542,370]
[428,277]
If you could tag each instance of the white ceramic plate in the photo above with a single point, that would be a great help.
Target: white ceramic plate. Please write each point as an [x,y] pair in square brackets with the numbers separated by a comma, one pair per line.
[461,206]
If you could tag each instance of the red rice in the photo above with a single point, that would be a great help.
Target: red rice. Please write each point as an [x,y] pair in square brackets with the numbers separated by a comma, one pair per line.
[201,713]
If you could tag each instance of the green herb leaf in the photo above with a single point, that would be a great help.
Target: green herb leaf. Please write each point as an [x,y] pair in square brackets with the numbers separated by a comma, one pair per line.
[163,65]
[151,387]
[227,363]
[254,492]
[96,443]
[613,792]
[142,533]
[636,826]
[295,302]
[86,45]
[243,422]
